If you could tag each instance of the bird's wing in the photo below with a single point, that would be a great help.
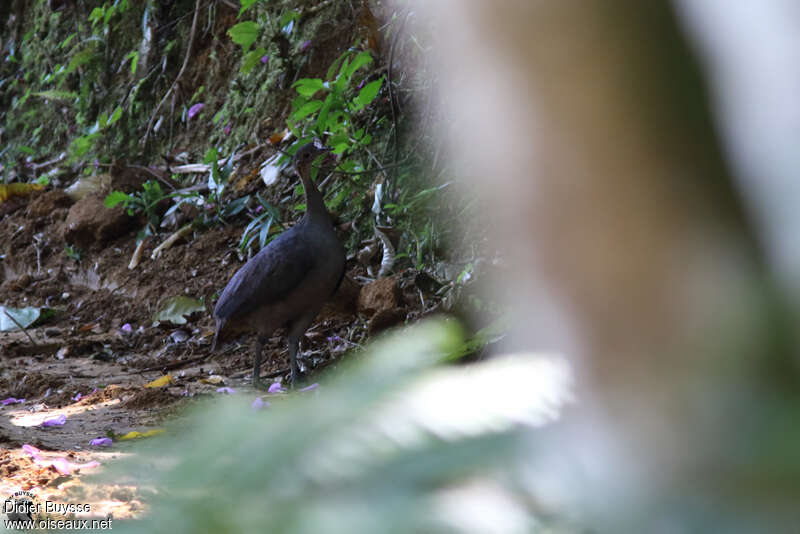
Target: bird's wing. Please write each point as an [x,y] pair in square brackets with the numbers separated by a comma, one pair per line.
[267,277]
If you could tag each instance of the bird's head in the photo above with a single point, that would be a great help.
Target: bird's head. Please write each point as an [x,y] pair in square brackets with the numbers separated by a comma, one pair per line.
[305,156]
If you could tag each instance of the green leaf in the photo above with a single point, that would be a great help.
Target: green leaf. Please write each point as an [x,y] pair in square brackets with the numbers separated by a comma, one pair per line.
[26,150]
[175,308]
[211,156]
[134,57]
[244,34]
[364,58]
[115,116]
[251,59]
[116,197]
[66,96]
[307,109]
[335,65]
[68,40]
[367,94]
[322,120]
[308,86]
[245,5]
[81,58]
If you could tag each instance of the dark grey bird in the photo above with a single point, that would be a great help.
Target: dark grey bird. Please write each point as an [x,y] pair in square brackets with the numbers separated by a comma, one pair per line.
[286,284]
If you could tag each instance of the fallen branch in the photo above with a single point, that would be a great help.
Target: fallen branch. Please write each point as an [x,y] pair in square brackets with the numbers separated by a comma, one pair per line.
[168,242]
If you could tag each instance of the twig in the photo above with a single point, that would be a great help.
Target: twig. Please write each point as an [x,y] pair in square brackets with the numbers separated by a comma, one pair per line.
[137,255]
[21,328]
[168,242]
[180,73]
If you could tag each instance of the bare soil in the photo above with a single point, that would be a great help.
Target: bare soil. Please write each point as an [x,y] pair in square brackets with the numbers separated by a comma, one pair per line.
[87,348]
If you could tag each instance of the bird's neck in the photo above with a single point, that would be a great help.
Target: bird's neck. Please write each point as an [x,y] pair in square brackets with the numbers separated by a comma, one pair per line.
[315,205]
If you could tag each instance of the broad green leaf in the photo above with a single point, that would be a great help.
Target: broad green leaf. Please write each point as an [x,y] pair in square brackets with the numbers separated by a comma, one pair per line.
[245,5]
[116,197]
[367,94]
[244,34]
[307,109]
[251,59]
[26,150]
[175,308]
[364,58]
[115,116]
[308,86]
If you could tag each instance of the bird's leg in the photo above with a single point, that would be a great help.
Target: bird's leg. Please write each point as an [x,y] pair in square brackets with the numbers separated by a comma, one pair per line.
[294,343]
[260,342]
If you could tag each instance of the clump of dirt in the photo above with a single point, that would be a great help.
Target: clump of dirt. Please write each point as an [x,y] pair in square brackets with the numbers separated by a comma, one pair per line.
[149,399]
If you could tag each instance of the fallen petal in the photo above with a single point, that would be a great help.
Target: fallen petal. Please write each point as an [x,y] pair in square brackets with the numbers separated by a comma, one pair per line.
[226,390]
[12,400]
[264,59]
[305,46]
[259,404]
[275,387]
[194,110]
[77,397]
[61,465]
[312,387]
[56,421]
[30,449]
[101,442]
[127,328]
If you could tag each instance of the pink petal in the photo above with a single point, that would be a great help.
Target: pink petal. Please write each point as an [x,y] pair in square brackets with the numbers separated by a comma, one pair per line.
[62,465]
[30,449]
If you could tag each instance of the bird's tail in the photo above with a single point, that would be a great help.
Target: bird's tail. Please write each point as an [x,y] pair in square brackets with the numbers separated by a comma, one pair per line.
[220,324]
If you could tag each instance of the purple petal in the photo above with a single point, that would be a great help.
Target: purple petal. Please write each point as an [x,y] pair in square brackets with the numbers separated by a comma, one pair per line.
[360,85]
[264,59]
[101,442]
[226,390]
[56,421]
[127,328]
[12,400]
[77,397]
[259,404]
[194,110]
[227,129]
[312,387]
[275,387]
[305,45]
[30,449]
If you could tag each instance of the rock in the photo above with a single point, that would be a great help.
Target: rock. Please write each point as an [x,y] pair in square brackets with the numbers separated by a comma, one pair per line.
[384,319]
[382,294]
[89,221]
[49,202]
